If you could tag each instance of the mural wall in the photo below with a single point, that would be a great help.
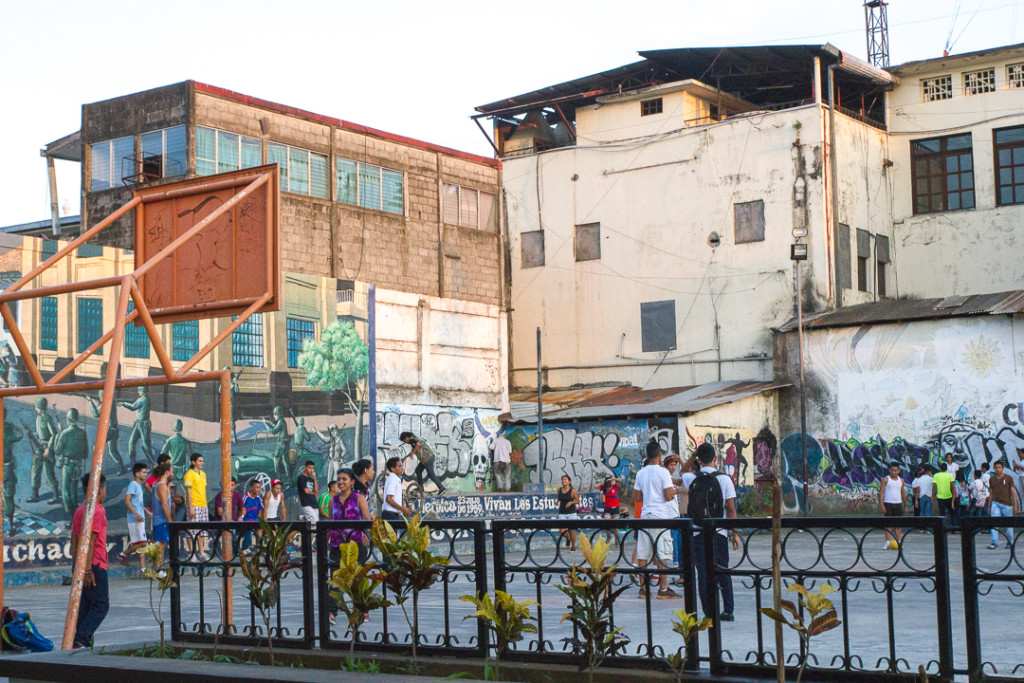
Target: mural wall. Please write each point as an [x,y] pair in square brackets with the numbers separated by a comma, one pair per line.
[907,393]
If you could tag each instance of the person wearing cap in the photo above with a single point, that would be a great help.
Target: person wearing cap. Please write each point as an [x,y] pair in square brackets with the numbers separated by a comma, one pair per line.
[273,503]
[70,447]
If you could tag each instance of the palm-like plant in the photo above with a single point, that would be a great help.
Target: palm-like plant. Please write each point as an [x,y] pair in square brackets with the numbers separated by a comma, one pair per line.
[688,626]
[160,578]
[355,589]
[505,617]
[817,606]
[263,567]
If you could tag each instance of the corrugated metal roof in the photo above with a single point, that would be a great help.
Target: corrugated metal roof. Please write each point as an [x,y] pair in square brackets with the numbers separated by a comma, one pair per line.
[633,402]
[901,310]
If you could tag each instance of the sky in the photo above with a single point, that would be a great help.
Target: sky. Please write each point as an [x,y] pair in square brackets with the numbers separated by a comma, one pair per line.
[416,68]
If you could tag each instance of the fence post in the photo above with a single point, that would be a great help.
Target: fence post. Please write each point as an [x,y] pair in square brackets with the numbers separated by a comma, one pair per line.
[690,592]
[308,616]
[498,551]
[711,589]
[322,591]
[972,627]
[480,569]
[172,549]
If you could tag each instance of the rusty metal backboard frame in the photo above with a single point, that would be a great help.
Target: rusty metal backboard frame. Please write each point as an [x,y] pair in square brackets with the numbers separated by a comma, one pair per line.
[231,264]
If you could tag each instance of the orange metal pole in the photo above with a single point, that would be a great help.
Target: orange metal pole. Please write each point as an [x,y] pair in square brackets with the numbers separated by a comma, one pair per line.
[19,341]
[154,336]
[227,512]
[96,345]
[66,288]
[153,195]
[85,537]
[223,334]
[193,310]
[124,383]
[3,509]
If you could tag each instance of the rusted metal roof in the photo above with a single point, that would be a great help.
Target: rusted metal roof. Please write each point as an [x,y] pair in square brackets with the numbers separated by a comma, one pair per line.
[625,402]
[900,310]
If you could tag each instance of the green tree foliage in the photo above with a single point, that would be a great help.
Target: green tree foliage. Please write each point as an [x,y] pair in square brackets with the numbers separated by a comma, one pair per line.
[505,617]
[815,605]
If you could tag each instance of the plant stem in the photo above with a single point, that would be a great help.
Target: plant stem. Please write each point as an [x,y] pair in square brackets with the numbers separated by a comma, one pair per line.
[270,641]
[415,625]
[807,656]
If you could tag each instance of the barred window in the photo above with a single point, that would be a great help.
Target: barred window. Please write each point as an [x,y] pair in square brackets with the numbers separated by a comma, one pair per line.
[136,341]
[184,339]
[90,321]
[938,88]
[298,331]
[1015,75]
[942,173]
[247,343]
[978,82]
[48,324]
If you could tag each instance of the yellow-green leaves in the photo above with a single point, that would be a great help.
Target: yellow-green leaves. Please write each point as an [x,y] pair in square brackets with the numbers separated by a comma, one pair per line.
[688,625]
[355,589]
[595,554]
[816,605]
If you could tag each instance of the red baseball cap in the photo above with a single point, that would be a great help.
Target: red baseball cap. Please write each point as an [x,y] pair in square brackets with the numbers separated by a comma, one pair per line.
[274,482]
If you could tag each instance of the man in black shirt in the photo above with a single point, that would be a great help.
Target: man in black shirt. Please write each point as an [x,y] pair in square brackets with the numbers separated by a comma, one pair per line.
[308,489]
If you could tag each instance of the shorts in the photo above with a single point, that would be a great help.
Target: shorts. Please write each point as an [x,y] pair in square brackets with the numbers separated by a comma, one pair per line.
[199,513]
[309,513]
[568,515]
[646,541]
[613,511]
[136,532]
[161,533]
[894,509]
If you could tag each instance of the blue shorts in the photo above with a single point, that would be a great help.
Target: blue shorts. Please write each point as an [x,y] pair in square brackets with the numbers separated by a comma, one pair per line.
[161,533]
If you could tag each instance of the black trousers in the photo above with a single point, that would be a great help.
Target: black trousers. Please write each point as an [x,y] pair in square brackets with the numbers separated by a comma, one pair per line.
[720,549]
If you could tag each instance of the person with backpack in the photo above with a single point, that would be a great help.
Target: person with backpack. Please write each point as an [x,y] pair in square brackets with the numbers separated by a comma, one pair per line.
[657,494]
[712,496]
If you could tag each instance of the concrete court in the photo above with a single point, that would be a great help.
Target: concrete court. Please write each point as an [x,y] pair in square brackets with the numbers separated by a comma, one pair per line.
[914,608]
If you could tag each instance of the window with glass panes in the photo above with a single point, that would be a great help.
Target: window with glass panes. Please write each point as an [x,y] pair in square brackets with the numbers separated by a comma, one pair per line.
[369,186]
[942,173]
[247,343]
[298,331]
[218,151]
[1009,153]
[469,208]
[184,339]
[13,306]
[106,160]
[163,152]
[88,251]
[136,341]
[302,171]
[48,324]
[90,321]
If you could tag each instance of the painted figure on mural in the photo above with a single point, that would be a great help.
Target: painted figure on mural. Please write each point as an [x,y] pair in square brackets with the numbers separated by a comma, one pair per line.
[234,402]
[71,448]
[301,439]
[8,366]
[42,438]
[481,460]
[95,402]
[335,450]
[179,448]
[12,435]
[741,462]
[279,428]
[142,428]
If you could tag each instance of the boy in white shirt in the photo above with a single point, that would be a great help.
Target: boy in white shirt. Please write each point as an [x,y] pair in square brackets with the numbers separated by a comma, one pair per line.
[655,490]
[393,510]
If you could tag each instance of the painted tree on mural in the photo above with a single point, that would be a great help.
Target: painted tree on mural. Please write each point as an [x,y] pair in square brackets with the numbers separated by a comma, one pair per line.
[340,361]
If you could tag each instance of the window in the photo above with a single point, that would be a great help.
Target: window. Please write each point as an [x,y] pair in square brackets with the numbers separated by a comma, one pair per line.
[648,107]
[469,208]
[13,306]
[843,259]
[938,88]
[533,249]
[48,249]
[219,151]
[136,341]
[163,152]
[88,251]
[588,242]
[298,331]
[1015,75]
[48,324]
[107,161]
[881,262]
[371,187]
[942,173]
[863,259]
[302,171]
[748,222]
[978,82]
[658,325]
[247,343]
[1009,153]
[90,321]
[184,339]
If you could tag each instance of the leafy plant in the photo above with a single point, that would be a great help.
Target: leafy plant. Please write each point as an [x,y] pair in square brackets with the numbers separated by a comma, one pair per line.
[817,606]
[506,618]
[591,596]
[355,589]
[263,565]
[411,567]
[161,579]
[688,626]
[354,665]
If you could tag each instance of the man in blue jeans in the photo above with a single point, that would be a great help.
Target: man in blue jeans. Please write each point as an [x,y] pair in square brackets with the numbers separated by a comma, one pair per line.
[95,600]
[1004,502]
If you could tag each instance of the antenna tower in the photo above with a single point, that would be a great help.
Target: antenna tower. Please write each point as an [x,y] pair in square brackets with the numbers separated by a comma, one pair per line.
[876,17]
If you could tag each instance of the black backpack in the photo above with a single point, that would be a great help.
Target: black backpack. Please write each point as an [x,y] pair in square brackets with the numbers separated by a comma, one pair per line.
[705,498]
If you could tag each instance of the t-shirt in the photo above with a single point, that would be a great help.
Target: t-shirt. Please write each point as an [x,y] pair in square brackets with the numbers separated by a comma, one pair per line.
[236,505]
[253,506]
[196,479]
[99,530]
[502,450]
[651,482]
[942,481]
[724,483]
[393,488]
[893,492]
[611,496]
[1001,488]
[325,504]
[985,477]
[136,492]
[924,485]
[425,453]
[979,491]
[305,486]
[952,468]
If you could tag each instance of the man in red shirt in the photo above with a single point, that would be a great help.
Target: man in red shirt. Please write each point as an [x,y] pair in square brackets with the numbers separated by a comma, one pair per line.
[95,595]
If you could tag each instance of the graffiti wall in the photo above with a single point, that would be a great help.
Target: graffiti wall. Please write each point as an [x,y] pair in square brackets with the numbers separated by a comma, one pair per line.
[733,448]
[911,394]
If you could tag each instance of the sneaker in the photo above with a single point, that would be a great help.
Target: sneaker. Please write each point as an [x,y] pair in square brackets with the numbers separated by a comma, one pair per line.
[668,594]
[726,616]
[635,579]
[123,558]
[993,546]
[330,618]
[642,594]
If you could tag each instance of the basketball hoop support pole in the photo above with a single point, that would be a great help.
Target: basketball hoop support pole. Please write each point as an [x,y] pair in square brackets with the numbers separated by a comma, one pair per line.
[227,512]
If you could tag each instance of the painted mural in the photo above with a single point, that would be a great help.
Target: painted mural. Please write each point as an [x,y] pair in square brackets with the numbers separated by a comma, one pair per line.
[733,447]
[909,394]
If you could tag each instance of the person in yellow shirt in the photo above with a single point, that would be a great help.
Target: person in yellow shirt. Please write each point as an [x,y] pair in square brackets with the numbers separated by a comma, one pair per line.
[195,494]
[942,492]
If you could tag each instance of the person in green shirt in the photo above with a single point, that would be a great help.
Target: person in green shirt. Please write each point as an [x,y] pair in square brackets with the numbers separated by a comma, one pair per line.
[942,492]
[325,499]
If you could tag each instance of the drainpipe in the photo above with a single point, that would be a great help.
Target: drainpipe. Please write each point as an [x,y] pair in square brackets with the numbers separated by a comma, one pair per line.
[833,184]
[54,210]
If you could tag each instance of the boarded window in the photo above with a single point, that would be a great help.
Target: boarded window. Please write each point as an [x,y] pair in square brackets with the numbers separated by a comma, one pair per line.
[844,256]
[881,263]
[588,242]
[658,325]
[748,221]
[533,249]
[863,259]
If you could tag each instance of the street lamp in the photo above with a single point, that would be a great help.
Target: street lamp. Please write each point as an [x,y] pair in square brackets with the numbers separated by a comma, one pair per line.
[797,254]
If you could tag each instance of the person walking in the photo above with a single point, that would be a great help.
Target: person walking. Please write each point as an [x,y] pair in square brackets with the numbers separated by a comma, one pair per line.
[712,496]
[308,489]
[1004,502]
[503,463]
[892,500]
[568,499]
[656,493]
[273,503]
[942,493]
[137,513]
[349,505]
[979,495]
[425,455]
[162,507]
[95,601]
[393,509]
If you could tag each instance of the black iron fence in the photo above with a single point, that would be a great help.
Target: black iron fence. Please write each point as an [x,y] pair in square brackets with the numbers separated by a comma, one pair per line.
[894,604]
